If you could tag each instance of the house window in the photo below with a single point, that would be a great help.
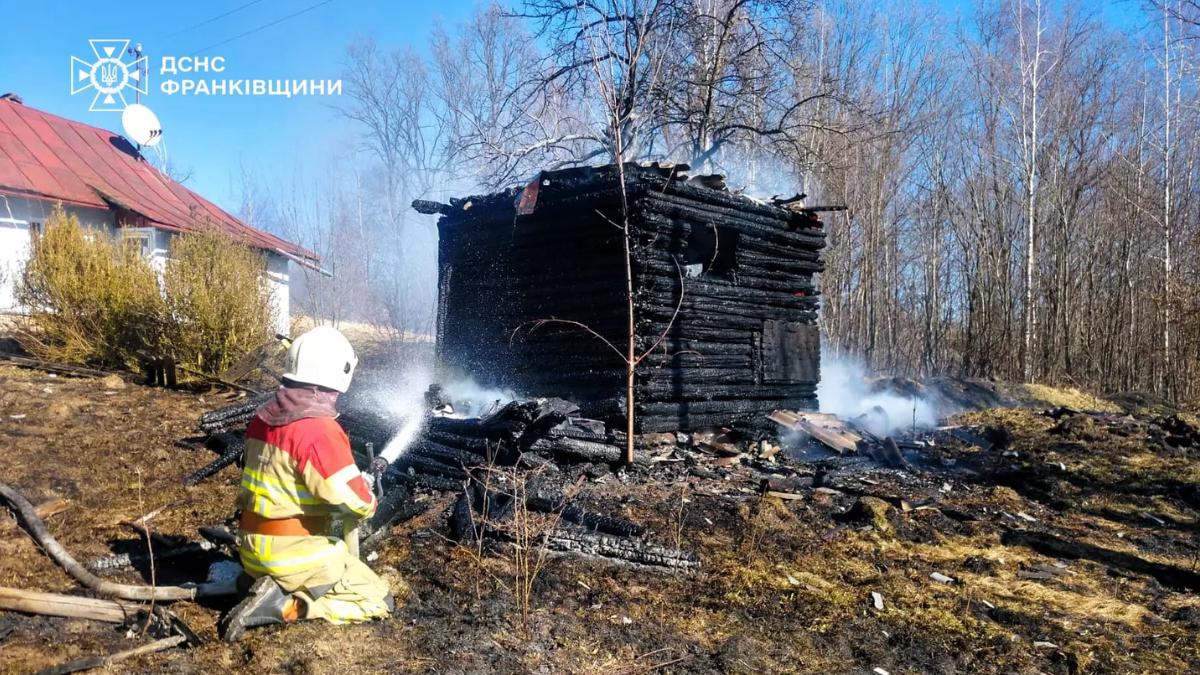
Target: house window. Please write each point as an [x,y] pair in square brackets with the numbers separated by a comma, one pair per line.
[35,229]
[143,237]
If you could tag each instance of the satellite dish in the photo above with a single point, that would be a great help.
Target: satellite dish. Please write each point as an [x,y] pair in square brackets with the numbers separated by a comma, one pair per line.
[141,125]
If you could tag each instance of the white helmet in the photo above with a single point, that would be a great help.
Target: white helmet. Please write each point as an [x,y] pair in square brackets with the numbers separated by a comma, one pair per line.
[322,356]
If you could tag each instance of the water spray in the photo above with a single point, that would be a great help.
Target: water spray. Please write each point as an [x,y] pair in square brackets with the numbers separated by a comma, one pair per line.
[402,440]
[409,405]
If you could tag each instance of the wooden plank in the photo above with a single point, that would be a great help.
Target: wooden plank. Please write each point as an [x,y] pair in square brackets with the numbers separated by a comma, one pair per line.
[827,429]
[43,510]
[53,604]
[785,496]
[253,359]
[59,368]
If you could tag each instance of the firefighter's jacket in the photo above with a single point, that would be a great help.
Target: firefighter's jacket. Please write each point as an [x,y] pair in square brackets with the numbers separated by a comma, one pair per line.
[303,468]
[298,463]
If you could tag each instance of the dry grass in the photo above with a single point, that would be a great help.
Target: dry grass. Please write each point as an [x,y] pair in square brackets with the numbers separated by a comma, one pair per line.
[1018,420]
[781,589]
[1069,397]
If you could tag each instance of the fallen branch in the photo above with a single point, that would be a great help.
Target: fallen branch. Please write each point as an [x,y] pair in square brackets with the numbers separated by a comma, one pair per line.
[102,661]
[120,560]
[209,379]
[37,530]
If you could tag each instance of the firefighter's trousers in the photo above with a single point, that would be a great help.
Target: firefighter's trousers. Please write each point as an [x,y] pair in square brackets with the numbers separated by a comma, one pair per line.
[335,585]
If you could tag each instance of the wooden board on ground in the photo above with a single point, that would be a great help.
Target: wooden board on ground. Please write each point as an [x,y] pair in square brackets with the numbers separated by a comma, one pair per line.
[253,359]
[57,368]
[827,429]
[53,604]
[44,511]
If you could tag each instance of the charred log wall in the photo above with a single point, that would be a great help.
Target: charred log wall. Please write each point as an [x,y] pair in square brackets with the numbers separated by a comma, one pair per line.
[744,340]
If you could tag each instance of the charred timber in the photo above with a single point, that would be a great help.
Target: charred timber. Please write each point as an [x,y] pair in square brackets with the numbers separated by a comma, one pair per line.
[590,521]
[622,548]
[231,448]
[449,455]
[586,450]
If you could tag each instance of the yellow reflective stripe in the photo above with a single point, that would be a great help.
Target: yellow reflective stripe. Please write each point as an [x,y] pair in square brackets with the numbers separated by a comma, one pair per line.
[298,490]
[268,486]
[291,486]
[345,611]
[340,482]
[281,569]
[262,558]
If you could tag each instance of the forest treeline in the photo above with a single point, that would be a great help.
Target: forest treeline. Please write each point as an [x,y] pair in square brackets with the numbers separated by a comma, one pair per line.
[1021,176]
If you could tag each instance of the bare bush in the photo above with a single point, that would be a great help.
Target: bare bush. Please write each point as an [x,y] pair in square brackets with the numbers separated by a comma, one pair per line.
[89,298]
[92,298]
[218,298]
[521,534]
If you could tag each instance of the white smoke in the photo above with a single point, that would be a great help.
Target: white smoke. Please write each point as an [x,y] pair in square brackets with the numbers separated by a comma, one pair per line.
[845,392]
[406,401]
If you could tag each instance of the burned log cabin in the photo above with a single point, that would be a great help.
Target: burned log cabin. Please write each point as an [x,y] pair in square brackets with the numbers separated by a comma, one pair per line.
[723,292]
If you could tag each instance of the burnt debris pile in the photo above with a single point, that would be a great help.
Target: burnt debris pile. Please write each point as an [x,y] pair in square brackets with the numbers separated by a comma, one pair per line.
[483,460]
[534,296]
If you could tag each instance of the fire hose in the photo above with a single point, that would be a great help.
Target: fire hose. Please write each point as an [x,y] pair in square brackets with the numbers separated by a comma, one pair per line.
[37,530]
[376,466]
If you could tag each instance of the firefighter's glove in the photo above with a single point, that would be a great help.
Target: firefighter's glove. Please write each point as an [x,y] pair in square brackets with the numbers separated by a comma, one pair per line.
[379,467]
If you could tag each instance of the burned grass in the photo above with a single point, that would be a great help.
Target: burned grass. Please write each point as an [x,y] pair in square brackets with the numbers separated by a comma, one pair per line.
[1078,554]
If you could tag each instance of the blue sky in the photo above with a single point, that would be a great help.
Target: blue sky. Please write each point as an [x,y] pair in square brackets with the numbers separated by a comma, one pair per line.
[213,136]
[217,136]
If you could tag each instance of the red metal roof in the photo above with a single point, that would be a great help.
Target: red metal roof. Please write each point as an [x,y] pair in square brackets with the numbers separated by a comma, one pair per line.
[51,158]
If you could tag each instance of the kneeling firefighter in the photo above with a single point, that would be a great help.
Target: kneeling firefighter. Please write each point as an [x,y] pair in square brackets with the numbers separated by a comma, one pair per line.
[299,475]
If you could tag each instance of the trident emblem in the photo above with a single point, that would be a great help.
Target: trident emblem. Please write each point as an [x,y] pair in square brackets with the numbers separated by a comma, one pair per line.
[108,74]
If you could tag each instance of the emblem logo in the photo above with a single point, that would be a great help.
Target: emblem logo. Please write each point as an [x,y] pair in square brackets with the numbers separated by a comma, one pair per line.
[109,75]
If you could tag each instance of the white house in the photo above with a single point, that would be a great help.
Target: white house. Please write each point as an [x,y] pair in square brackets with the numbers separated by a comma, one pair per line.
[99,176]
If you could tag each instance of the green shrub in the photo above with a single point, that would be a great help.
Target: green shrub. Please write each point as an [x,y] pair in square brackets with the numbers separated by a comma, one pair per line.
[89,298]
[94,299]
[218,299]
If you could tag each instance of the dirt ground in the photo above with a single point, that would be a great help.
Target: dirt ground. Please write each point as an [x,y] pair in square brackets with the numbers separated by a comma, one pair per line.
[1076,555]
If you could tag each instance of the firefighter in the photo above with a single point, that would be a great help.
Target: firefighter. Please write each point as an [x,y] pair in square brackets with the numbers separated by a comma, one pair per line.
[299,475]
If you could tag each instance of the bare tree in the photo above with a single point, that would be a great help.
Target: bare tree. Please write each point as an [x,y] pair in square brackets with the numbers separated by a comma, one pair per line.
[389,95]
[1034,69]
[485,82]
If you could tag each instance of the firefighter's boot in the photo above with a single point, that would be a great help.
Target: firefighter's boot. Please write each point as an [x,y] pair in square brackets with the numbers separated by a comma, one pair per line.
[263,607]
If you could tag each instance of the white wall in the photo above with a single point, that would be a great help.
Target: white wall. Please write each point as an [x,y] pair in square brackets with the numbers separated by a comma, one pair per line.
[277,273]
[14,251]
[16,216]
[18,213]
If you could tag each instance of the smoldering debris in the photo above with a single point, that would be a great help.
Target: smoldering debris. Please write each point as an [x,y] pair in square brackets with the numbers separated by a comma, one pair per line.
[846,391]
[499,455]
